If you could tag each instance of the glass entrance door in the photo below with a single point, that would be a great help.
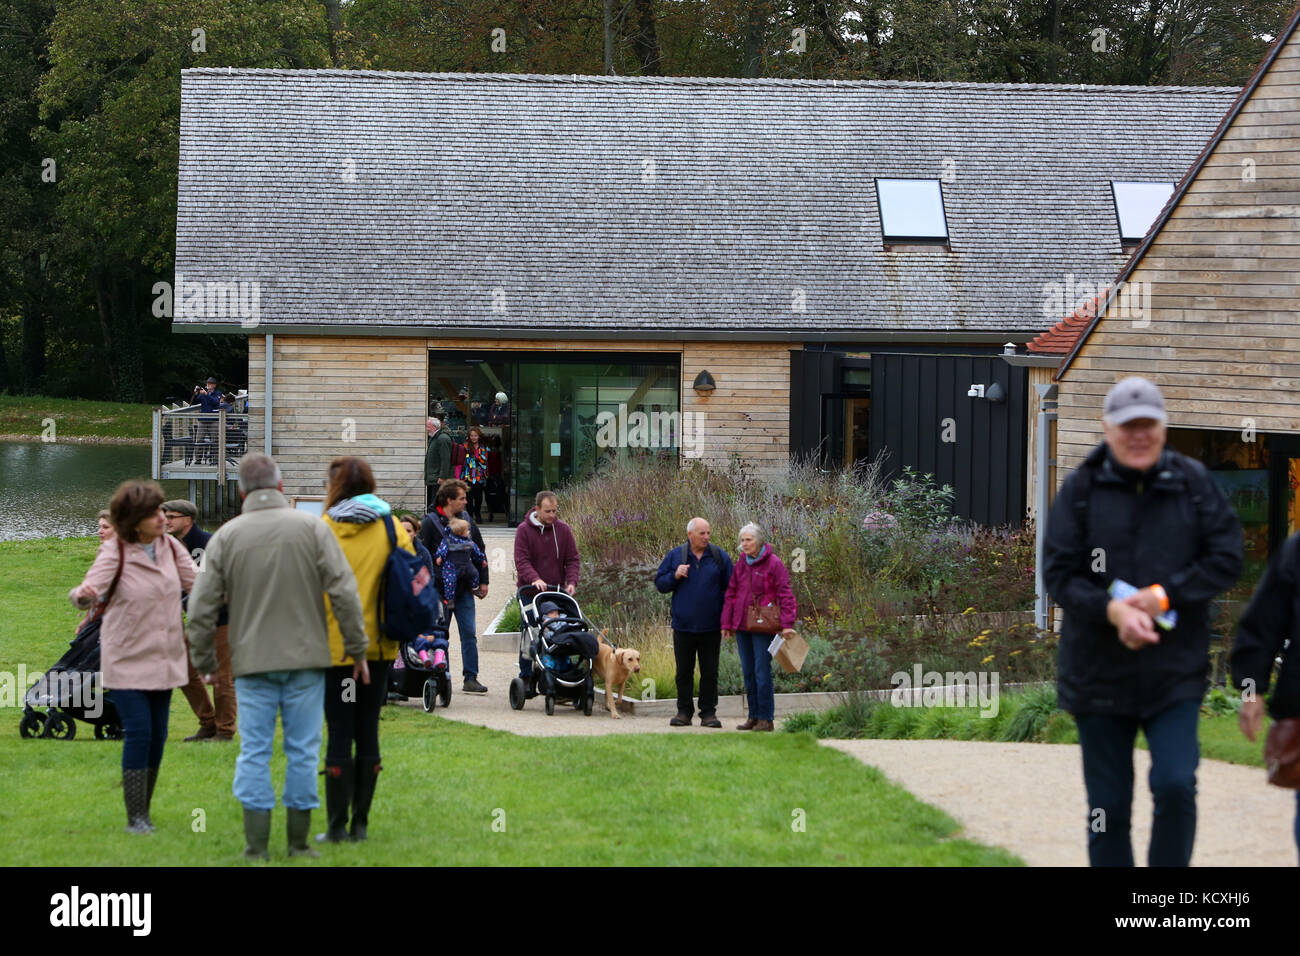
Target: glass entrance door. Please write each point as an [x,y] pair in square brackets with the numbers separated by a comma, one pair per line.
[575,418]
[555,418]
[477,391]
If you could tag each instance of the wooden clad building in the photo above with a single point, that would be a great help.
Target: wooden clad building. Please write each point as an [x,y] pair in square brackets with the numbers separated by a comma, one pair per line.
[754,268]
[1221,339]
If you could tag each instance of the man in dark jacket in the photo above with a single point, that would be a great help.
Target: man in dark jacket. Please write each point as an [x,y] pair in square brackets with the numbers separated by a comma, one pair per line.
[1139,513]
[696,574]
[1271,626]
[210,402]
[437,460]
[546,554]
[450,502]
[219,716]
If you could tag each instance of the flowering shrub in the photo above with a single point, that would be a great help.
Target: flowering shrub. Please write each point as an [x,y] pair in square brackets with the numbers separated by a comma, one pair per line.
[866,562]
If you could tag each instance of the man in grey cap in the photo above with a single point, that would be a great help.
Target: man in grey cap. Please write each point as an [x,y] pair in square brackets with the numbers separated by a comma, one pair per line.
[1139,541]
[218,716]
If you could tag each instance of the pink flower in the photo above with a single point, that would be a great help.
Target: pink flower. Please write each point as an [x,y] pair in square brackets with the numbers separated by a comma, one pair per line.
[879,521]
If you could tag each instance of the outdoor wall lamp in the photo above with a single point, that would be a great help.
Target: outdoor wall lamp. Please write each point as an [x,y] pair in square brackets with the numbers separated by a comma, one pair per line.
[995,393]
[704,384]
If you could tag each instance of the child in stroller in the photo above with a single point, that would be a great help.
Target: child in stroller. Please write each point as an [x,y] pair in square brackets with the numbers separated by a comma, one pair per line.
[557,647]
[421,667]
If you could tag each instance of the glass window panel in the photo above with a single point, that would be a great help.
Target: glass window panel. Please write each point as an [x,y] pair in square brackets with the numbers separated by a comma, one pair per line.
[911,209]
[1137,205]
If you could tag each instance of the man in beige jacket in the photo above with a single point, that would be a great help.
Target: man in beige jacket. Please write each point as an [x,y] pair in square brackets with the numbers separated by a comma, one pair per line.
[273,565]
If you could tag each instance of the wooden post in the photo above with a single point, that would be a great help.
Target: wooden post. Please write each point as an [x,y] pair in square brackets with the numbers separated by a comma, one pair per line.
[156,470]
[221,449]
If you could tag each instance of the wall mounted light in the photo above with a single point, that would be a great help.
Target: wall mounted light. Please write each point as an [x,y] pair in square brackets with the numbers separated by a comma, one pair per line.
[704,384]
[994,393]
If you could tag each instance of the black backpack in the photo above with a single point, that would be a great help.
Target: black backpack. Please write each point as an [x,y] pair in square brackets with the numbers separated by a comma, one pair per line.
[1195,487]
[408,602]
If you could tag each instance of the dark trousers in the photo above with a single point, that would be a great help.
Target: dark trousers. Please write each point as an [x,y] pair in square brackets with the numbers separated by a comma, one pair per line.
[1107,745]
[144,716]
[687,645]
[475,495]
[352,712]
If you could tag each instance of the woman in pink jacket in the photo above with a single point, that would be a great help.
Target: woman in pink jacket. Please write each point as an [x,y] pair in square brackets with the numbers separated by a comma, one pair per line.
[142,643]
[759,578]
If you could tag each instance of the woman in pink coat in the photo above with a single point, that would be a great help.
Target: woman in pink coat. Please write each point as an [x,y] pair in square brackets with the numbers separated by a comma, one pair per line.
[142,643]
[760,578]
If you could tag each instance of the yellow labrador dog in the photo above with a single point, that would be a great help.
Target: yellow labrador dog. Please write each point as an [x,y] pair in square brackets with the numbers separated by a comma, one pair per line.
[614,668]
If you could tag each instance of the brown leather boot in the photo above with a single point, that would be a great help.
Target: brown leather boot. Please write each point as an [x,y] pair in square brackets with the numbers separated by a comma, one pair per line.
[763,725]
[749,724]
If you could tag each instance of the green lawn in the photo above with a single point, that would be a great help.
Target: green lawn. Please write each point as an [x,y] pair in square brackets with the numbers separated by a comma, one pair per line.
[621,799]
[74,417]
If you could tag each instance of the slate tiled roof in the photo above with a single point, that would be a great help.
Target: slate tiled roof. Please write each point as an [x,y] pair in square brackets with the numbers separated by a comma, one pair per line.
[494,202]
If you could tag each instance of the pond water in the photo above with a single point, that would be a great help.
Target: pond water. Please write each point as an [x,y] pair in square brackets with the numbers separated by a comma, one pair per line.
[55,489]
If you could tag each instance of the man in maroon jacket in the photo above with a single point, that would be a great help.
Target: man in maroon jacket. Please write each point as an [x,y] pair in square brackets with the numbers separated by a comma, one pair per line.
[546,553]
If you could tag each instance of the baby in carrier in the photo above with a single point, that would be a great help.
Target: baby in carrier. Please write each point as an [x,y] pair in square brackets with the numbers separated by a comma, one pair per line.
[459,560]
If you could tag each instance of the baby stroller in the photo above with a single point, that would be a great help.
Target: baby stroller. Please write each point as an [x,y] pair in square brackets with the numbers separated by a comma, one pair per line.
[72,690]
[410,676]
[561,650]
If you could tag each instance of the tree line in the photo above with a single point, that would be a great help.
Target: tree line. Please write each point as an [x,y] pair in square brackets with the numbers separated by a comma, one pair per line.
[90,110]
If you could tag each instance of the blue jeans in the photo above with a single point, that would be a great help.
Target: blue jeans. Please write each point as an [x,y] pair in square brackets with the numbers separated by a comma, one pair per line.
[144,716]
[756,663]
[465,623]
[299,698]
[1107,745]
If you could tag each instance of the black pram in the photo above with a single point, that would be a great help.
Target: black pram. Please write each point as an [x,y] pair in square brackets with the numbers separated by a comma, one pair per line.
[72,690]
[560,649]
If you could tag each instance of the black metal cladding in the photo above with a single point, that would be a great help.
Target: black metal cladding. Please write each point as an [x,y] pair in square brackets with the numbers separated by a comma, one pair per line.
[812,375]
[912,395]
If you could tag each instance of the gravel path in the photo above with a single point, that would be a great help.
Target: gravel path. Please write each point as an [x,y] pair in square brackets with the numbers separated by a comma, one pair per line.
[1028,798]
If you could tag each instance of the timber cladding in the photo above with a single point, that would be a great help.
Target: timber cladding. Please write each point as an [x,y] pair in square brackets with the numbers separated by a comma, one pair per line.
[336,395]
[374,391]
[1223,342]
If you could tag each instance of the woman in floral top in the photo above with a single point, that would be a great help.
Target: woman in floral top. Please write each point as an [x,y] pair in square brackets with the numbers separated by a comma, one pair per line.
[475,472]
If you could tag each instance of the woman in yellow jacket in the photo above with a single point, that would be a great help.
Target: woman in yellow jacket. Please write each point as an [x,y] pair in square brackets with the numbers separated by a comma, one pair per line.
[357,519]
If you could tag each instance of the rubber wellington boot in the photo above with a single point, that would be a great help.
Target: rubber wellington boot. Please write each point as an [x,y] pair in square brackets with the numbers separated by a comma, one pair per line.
[257,833]
[339,783]
[297,825]
[148,802]
[135,792]
[367,775]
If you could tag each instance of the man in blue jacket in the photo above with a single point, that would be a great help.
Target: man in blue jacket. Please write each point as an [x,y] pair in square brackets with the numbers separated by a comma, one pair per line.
[696,574]
[210,402]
